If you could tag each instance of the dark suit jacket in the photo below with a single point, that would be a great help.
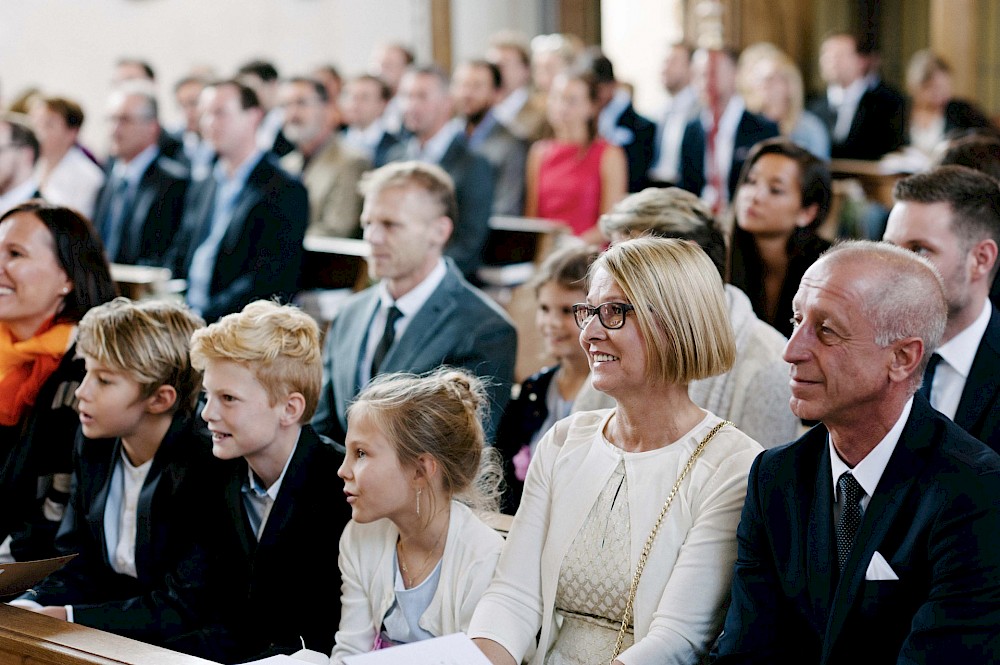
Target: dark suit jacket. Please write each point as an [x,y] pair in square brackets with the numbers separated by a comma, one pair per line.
[640,150]
[261,253]
[384,148]
[935,518]
[154,217]
[979,409]
[751,129]
[457,326]
[474,184]
[166,597]
[271,592]
[877,127]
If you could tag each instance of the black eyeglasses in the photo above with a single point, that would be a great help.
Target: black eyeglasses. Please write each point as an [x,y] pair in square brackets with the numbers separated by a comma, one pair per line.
[610,314]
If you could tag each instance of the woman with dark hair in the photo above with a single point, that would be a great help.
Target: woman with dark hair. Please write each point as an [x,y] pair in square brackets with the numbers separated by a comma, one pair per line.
[52,270]
[782,197]
[575,176]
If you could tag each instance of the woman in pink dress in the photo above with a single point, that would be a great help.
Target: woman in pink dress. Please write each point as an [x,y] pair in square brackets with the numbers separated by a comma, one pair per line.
[575,176]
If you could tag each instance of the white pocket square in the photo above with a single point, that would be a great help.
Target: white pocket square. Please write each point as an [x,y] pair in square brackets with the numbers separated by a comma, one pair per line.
[879,569]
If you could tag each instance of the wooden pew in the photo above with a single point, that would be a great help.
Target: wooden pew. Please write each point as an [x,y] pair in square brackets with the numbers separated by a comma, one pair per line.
[27,638]
[515,246]
[138,282]
[334,263]
[874,179]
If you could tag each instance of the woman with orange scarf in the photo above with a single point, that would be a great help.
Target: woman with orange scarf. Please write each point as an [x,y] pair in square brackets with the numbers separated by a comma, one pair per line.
[52,270]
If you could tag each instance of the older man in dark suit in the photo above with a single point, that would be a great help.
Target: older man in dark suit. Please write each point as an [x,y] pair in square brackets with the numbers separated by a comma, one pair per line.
[875,538]
[139,208]
[423,314]
[951,215]
[241,238]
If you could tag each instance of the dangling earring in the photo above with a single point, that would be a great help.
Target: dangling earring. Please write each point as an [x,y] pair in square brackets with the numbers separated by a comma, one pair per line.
[418,501]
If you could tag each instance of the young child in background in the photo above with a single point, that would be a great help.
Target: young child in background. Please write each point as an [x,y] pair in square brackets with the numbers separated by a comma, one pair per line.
[415,558]
[280,509]
[141,465]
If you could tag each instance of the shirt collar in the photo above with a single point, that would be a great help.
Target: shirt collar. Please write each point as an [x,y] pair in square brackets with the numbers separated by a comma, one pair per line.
[960,351]
[482,130]
[869,470]
[242,171]
[18,195]
[410,302]
[253,483]
[435,147]
[507,109]
[729,119]
[132,171]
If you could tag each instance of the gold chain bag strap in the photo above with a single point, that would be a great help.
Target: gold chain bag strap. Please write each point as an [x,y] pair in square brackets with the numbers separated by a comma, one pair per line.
[627,615]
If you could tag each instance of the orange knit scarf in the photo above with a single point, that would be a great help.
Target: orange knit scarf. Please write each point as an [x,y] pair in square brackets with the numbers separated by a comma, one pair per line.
[26,365]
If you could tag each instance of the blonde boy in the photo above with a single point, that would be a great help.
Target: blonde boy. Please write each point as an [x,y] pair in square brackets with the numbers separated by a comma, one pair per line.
[284,509]
[140,471]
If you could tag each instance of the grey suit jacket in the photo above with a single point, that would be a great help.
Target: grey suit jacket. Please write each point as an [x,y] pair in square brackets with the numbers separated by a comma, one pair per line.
[458,326]
[331,178]
[507,155]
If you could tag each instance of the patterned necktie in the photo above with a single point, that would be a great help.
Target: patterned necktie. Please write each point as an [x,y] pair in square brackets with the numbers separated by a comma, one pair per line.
[388,336]
[850,515]
[925,387]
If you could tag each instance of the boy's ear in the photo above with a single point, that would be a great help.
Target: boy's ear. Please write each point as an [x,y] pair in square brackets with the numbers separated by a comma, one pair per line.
[295,406]
[162,400]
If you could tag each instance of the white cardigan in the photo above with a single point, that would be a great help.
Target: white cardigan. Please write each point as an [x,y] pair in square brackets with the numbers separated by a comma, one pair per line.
[366,565]
[679,604]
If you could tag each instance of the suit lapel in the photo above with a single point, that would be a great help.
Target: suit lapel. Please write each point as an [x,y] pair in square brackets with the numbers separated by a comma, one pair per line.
[983,383]
[816,521]
[202,195]
[905,465]
[284,506]
[356,333]
[238,514]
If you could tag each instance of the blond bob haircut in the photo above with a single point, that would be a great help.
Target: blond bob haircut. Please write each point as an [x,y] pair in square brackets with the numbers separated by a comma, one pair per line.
[431,178]
[438,414]
[278,343]
[680,306]
[146,341]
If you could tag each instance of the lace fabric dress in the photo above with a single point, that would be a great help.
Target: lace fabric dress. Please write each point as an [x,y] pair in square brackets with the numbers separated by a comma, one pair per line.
[594,581]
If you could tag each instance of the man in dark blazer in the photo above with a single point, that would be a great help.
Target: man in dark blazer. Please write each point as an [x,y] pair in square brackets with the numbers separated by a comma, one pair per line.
[619,123]
[440,318]
[241,236]
[951,215]
[865,116]
[139,208]
[439,139]
[875,538]
[738,128]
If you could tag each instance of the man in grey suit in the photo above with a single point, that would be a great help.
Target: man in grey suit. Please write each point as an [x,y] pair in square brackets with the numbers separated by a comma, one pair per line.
[475,87]
[437,138]
[422,314]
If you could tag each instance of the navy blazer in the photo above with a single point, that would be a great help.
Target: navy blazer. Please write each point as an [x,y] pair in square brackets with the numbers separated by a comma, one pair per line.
[153,218]
[458,326]
[261,253]
[167,597]
[877,126]
[751,129]
[271,593]
[979,409]
[384,148]
[473,177]
[640,150]
[935,518]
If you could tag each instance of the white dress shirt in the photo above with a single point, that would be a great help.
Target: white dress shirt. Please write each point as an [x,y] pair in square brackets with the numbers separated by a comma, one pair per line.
[869,470]
[678,111]
[846,101]
[408,304]
[18,195]
[725,141]
[957,356]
